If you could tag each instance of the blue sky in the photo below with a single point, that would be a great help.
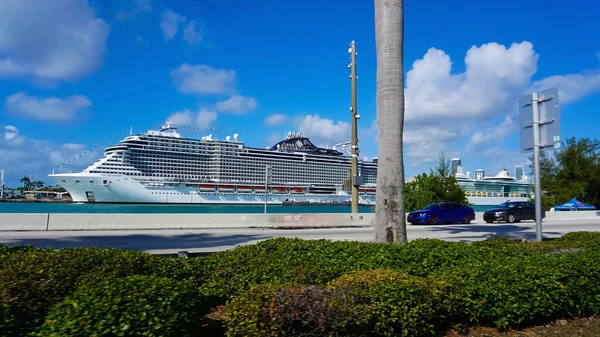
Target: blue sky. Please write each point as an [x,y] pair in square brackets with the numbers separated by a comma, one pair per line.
[88,70]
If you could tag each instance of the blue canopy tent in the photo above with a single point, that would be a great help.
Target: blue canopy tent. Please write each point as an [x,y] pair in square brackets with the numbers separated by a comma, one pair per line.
[574,205]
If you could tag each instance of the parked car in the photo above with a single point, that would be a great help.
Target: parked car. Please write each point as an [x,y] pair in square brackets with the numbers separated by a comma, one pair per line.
[512,211]
[441,213]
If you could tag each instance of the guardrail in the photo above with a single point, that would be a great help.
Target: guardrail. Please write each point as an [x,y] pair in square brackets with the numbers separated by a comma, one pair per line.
[116,221]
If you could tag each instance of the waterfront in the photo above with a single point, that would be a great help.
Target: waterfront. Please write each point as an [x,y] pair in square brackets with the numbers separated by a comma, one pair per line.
[51,207]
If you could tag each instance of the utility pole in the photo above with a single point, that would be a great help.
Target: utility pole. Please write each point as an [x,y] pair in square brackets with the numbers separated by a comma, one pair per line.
[267,174]
[355,179]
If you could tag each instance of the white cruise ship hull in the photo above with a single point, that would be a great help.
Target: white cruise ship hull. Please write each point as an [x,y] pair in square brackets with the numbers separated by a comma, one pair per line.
[95,188]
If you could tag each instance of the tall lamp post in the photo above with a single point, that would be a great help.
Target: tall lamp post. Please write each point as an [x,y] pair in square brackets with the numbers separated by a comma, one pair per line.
[355,179]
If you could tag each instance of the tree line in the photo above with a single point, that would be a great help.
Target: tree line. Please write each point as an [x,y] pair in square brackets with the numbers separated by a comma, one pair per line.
[29,185]
[439,185]
[573,171]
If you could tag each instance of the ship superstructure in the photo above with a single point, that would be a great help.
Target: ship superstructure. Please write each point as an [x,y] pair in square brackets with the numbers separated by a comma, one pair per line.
[164,167]
[493,190]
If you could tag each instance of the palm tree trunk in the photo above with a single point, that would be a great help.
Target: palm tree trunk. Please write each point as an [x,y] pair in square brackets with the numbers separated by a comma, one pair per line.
[390,219]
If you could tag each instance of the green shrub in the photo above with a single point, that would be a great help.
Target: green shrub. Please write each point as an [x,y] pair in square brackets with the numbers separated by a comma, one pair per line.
[9,249]
[294,261]
[580,273]
[132,306]
[31,282]
[376,302]
[580,240]
[511,292]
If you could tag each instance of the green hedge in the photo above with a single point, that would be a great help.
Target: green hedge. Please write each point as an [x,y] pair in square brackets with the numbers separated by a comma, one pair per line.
[496,282]
[32,281]
[132,306]
[364,303]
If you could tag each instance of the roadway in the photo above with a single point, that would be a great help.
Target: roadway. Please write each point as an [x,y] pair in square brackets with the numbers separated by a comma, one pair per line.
[211,240]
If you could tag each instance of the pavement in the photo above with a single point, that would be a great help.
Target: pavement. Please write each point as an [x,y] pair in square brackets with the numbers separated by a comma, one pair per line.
[212,240]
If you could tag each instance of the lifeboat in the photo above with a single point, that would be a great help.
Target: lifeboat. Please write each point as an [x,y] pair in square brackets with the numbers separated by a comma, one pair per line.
[297,189]
[244,189]
[226,188]
[279,190]
[207,187]
[259,189]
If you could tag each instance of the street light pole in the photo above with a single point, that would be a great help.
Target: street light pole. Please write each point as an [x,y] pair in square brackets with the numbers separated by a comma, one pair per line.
[354,179]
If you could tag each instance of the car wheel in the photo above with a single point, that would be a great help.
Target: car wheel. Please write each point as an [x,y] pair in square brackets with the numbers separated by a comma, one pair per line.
[433,220]
[488,221]
[510,218]
[466,220]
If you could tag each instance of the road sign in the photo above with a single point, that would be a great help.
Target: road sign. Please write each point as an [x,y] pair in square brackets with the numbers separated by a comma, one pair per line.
[540,128]
[549,120]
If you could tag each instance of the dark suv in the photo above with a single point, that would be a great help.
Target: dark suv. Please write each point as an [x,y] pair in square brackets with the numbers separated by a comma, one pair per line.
[512,211]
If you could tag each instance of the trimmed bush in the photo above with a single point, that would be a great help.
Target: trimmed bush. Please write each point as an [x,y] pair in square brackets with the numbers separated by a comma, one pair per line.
[132,306]
[9,249]
[294,261]
[511,292]
[31,282]
[580,240]
[376,302]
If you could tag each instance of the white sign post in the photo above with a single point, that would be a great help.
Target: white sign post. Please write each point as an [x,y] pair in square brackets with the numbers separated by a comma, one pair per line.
[540,129]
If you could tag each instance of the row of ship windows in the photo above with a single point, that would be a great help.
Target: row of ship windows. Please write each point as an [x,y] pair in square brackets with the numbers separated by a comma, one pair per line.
[232,157]
[190,168]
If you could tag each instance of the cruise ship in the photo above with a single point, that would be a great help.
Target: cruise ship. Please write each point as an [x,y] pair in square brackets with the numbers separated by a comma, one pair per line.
[483,190]
[161,166]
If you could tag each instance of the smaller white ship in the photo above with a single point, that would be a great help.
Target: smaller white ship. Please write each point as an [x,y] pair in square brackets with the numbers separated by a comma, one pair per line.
[485,190]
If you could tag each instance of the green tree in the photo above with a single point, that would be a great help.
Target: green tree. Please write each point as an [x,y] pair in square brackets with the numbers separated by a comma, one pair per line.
[437,186]
[37,184]
[26,183]
[574,172]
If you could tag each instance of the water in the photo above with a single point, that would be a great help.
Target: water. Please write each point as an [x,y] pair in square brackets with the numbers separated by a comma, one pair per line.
[48,207]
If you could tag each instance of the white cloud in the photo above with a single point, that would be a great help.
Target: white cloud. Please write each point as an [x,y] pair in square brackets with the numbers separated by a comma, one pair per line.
[46,109]
[205,118]
[203,79]
[492,134]
[273,139]
[202,119]
[494,76]
[136,7]
[36,158]
[193,33]
[324,130]
[170,23]
[10,132]
[571,87]
[442,106]
[74,147]
[275,119]
[238,104]
[50,40]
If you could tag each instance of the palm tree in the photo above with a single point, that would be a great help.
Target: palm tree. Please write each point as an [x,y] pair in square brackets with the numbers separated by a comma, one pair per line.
[37,184]
[390,219]
[26,182]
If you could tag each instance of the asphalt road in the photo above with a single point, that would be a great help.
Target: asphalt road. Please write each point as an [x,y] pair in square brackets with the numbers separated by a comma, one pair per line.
[204,241]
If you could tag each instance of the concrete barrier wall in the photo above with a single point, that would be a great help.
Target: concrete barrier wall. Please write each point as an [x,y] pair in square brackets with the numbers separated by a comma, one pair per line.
[86,221]
[109,221]
[24,221]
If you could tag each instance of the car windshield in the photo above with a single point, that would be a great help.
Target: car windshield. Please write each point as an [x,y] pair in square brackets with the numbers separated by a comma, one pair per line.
[507,205]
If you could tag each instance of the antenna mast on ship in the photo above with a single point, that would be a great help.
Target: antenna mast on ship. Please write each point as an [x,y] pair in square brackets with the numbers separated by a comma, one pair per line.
[355,178]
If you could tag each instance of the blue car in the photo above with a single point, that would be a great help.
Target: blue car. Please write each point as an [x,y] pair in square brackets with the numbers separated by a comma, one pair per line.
[441,213]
